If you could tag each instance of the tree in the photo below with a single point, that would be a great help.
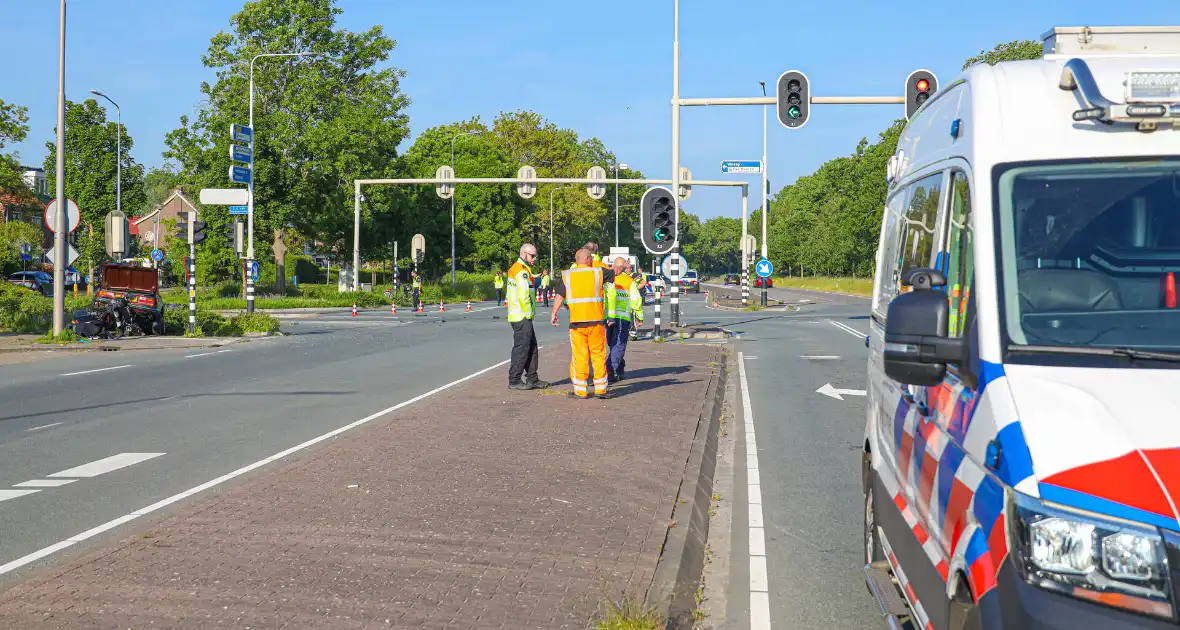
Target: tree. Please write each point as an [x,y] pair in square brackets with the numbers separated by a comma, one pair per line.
[14,127]
[1012,51]
[12,235]
[319,122]
[90,173]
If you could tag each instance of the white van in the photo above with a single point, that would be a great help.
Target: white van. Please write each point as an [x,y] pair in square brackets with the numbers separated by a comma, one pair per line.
[1022,446]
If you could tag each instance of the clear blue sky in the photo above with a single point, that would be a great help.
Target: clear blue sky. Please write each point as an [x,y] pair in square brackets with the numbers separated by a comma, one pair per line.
[602,68]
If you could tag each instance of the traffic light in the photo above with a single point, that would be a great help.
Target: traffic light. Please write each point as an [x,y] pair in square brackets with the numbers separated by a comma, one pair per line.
[794,99]
[190,229]
[638,236]
[919,87]
[657,220]
[237,237]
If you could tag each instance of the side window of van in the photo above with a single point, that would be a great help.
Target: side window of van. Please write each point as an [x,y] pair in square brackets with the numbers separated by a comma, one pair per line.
[960,270]
[921,222]
[891,250]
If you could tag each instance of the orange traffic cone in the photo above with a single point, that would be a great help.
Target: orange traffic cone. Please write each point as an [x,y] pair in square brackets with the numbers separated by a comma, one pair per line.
[1170,291]
[441,308]
[393,308]
[468,305]
[354,309]
[421,307]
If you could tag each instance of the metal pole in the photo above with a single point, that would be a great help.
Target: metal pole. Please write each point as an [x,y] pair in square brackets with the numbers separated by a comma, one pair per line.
[192,284]
[62,224]
[616,206]
[551,263]
[765,207]
[814,100]
[453,193]
[356,237]
[676,156]
[745,252]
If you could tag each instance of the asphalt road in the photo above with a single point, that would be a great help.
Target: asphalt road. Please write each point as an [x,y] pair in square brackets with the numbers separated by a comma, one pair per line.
[145,426]
[805,480]
[174,419]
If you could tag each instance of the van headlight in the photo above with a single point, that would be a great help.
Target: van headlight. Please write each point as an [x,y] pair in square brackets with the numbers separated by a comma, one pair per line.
[1092,557]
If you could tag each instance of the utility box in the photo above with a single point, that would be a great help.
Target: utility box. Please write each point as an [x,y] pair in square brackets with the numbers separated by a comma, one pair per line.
[344,280]
[1112,40]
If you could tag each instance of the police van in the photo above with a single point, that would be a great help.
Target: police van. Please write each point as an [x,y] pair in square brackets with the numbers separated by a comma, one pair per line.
[1022,445]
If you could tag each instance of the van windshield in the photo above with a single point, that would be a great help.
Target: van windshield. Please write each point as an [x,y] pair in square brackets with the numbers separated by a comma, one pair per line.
[1090,253]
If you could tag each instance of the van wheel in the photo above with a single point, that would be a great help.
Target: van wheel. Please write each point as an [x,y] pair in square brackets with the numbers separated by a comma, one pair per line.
[872,546]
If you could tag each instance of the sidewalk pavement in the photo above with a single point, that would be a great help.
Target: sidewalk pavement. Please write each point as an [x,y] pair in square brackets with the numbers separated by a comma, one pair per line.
[28,343]
[479,507]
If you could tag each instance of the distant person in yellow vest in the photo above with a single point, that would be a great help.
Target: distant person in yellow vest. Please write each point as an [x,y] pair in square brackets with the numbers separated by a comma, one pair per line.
[546,281]
[416,285]
[624,305]
[498,282]
[583,290]
[522,307]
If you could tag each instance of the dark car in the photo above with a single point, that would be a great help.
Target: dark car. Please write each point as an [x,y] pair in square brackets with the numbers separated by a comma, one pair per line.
[758,281]
[140,288]
[731,278]
[38,281]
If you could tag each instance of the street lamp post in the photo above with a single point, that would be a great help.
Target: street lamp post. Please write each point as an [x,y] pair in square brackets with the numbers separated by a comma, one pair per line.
[457,136]
[551,271]
[118,152]
[253,163]
[617,167]
[59,231]
[765,208]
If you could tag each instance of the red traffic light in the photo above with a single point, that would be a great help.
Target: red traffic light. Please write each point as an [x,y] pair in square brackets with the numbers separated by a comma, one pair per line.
[923,85]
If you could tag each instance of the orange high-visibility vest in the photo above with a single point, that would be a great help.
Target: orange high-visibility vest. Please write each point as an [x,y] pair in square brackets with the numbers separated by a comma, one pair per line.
[584,294]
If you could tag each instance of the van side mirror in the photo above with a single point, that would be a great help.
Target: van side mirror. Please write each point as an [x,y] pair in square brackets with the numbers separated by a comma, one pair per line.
[917,349]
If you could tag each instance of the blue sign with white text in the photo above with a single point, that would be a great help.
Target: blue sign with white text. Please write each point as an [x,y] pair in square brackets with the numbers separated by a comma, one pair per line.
[239,209]
[239,174]
[764,268]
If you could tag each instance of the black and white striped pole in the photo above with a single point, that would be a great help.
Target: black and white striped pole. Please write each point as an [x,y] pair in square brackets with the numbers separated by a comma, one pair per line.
[745,284]
[675,272]
[656,328]
[192,289]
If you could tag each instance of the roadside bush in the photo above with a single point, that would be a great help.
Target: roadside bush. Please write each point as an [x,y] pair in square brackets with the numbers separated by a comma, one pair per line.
[255,323]
[23,311]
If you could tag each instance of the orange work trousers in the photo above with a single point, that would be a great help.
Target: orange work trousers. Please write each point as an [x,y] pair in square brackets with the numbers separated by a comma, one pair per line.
[588,344]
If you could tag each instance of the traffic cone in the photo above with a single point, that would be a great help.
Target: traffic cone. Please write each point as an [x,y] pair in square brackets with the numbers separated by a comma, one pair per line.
[441,308]
[393,308]
[421,307]
[468,305]
[1170,291]
[354,309]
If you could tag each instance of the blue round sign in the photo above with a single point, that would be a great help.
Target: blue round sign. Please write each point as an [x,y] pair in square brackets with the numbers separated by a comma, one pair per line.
[255,270]
[157,254]
[764,268]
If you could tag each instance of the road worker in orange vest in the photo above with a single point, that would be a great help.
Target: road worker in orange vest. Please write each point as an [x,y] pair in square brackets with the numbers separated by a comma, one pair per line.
[583,290]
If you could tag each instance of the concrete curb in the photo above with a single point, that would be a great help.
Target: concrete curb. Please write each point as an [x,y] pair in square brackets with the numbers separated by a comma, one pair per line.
[682,559]
[209,342]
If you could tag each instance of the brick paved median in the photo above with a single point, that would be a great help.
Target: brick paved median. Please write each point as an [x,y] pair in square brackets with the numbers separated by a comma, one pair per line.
[479,507]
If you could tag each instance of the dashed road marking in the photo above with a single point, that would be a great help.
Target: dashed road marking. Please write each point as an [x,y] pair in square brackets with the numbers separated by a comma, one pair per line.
[105,369]
[759,583]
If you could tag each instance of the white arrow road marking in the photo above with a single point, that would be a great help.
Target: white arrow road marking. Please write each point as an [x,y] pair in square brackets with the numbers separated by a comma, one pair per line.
[43,483]
[838,394]
[846,328]
[106,465]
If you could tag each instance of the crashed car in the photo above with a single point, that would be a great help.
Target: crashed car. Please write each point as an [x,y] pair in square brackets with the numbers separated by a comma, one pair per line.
[127,303]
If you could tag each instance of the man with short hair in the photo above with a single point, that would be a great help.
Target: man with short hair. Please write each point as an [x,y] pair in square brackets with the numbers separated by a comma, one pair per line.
[583,289]
[624,305]
[522,307]
[545,288]
[498,283]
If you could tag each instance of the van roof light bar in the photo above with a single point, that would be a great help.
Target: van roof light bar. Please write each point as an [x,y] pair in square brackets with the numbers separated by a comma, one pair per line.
[1152,97]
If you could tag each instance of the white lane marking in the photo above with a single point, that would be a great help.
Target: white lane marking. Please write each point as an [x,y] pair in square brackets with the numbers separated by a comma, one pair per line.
[90,533]
[819,357]
[846,328]
[837,393]
[44,426]
[105,369]
[759,586]
[43,483]
[12,494]
[204,354]
[751,358]
[106,465]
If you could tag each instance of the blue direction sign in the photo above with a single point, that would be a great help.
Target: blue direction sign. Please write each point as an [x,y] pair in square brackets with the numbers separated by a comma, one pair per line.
[741,166]
[764,268]
[241,153]
[255,270]
[26,257]
[239,209]
[157,255]
[239,174]
[241,133]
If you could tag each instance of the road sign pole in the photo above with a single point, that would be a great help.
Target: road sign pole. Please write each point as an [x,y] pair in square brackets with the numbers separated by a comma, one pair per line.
[745,250]
[676,159]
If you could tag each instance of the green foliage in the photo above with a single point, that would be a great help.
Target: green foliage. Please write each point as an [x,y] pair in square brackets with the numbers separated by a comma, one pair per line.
[65,336]
[255,323]
[12,235]
[1011,51]
[14,127]
[24,311]
[91,167]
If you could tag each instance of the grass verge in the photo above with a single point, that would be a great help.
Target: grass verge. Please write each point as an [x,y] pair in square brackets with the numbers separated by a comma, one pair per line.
[854,286]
